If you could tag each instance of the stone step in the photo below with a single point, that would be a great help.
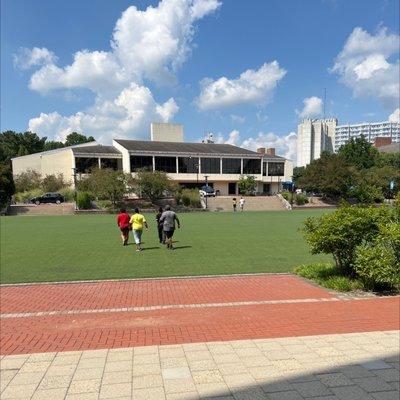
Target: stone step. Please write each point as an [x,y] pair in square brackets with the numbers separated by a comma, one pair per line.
[256,203]
[42,209]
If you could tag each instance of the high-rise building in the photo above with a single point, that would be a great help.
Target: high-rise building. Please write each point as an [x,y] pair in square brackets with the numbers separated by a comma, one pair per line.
[313,137]
[370,131]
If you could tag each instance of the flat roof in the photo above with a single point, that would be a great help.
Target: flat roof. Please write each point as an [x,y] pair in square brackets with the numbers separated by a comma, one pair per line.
[186,148]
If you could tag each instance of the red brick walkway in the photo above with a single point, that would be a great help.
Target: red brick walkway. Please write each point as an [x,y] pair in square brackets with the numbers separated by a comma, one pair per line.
[200,309]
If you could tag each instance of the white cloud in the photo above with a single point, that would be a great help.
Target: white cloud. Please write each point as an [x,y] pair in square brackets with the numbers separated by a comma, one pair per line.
[27,58]
[395,116]
[146,45]
[286,146]
[252,86]
[313,107]
[365,65]
[131,111]
[237,118]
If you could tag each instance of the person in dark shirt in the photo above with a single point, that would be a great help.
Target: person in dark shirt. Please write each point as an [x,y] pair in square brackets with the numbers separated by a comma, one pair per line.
[168,219]
[161,237]
[124,226]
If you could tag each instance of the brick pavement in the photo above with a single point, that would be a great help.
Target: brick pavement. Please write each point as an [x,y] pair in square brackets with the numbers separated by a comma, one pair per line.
[181,311]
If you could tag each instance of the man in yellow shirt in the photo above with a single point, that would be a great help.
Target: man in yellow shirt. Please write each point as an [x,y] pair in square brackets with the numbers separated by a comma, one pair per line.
[137,222]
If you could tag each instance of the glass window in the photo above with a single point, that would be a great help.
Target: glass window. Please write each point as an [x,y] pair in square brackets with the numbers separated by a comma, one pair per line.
[251,166]
[141,162]
[166,164]
[210,166]
[264,169]
[109,163]
[188,165]
[83,165]
[231,165]
[276,168]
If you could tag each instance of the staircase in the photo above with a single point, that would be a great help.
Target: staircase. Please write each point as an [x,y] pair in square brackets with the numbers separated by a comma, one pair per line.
[42,209]
[252,203]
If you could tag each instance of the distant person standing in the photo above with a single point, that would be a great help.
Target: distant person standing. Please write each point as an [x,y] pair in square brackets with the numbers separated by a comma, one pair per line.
[168,219]
[234,203]
[241,203]
[160,229]
[124,226]
[137,222]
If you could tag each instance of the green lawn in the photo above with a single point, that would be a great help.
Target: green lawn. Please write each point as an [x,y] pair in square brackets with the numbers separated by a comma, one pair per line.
[57,248]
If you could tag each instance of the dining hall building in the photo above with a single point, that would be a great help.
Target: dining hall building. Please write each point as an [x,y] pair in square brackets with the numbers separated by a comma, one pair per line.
[189,164]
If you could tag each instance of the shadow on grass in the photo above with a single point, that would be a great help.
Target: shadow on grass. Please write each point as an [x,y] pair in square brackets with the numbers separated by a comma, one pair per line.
[182,247]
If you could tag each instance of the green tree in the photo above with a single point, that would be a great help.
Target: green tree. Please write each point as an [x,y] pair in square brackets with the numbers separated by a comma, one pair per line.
[14,144]
[77,138]
[51,145]
[53,183]
[247,185]
[28,180]
[359,152]
[329,175]
[6,184]
[152,185]
[298,173]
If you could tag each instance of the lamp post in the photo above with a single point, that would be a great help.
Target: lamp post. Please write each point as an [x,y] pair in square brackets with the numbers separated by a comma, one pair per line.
[206,178]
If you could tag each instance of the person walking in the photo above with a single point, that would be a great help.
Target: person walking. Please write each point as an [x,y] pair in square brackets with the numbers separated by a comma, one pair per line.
[124,226]
[160,229]
[234,203]
[137,222]
[167,220]
[241,203]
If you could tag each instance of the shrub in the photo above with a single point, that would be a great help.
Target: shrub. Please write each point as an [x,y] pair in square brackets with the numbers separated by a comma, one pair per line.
[26,181]
[286,195]
[340,232]
[301,199]
[191,198]
[24,197]
[67,193]
[84,200]
[53,183]
[152,185]
[378,261]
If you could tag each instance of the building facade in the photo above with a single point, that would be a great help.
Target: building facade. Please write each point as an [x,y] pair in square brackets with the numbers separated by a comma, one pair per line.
[189,164]
[313,137]
[371,131]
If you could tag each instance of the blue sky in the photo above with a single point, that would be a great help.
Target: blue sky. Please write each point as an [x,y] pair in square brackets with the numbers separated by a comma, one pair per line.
[245,70]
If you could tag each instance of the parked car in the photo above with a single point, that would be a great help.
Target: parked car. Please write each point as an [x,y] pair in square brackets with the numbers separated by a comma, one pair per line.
[48,198]
[207,191]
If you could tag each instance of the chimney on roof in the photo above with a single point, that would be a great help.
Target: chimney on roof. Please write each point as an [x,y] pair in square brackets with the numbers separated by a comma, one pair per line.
[271,151]
[261,150]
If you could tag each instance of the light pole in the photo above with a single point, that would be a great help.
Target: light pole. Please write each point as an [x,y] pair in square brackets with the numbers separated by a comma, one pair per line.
[206,178]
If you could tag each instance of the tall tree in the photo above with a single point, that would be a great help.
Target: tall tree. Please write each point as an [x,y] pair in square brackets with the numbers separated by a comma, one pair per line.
[6,184]
[360,153]
[77,138]
[51,145]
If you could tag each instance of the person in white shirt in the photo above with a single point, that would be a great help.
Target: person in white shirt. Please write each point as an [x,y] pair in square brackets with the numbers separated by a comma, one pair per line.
[241,203]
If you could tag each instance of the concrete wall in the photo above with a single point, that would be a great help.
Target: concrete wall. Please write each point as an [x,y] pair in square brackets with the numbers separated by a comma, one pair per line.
[164,132]
[126,160]
[22,164]
[59,163]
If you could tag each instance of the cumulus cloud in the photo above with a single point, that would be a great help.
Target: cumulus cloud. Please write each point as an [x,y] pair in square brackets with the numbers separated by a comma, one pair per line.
[395,116]
[252,86]
[27,58]
[146,45]
[366,65]
[131,111]
[286,146]
[313,107]
[237,118]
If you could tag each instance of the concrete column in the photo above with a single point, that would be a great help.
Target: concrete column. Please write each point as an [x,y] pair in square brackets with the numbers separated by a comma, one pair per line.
[176,165]
[99,161]
[154,163]
[241,166]
[220,165]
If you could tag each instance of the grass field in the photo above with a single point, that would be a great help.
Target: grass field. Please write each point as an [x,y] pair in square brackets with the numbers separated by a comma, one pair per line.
[57,248]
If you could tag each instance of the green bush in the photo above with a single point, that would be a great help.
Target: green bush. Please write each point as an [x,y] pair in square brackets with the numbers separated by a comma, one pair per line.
[301,199]
[27,181]
[84,200]
[378,261]
[191,198]
[286,195]
[329,276]
[53,183]
[24,197]
[340,232]
[67,193]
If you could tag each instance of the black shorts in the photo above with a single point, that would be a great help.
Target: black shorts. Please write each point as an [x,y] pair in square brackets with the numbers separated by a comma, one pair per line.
[125,231]
[169,233]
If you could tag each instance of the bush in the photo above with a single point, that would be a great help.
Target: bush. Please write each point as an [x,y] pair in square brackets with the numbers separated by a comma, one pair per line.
[340,232]
[191,198]
[67,193]
[329,276]
[301,199]
[53,183]
[27,181]
[24,197]
[286,195]
[378,261]
[84,200]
